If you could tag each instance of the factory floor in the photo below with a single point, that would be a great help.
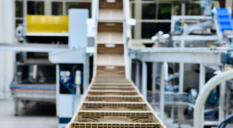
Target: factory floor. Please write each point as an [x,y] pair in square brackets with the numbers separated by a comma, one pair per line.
[35,116]
[41,115]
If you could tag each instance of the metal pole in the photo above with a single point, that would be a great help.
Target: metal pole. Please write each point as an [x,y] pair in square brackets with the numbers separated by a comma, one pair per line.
[162,79]
[16,101]
[85,74]
[182,9]
[137,74]
[201,77]
[47,7]
[57,88]
[181,77]
[144,79]
[182,43]
[154,80]
[229,4]
[87,71]
[129,67]
[222,99]
[138,16]
[64,7]
[24,11]
[201,84]
[157,9]
[172,112]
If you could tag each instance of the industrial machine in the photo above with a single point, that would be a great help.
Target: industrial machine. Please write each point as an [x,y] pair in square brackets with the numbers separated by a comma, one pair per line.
[170,77]
[68,65]
[36,70]
[72,67]
[35,75]
[188,34]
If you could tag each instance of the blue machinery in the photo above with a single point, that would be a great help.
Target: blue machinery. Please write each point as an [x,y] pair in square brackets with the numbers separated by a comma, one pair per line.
[224,19]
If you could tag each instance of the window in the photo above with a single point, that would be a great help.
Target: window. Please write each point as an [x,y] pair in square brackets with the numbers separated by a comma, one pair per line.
[35,7]
[164,11]
[176,8]
[57,8]
[80,5]
[222,3]
[148,11]
[149,20]
[18,8]
[132,32]
[150,29]
[132,6]
[193,9]
[18,12]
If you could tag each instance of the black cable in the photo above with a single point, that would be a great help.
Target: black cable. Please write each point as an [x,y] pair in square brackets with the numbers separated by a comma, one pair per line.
[13,78]
[223,123]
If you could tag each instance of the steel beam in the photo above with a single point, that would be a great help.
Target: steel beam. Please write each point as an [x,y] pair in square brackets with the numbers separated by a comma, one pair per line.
[144,79]
[154,79]
[31,47]
[201,84]
[138,74]
[186,55]
[162,84]
[181,77]
[222,99]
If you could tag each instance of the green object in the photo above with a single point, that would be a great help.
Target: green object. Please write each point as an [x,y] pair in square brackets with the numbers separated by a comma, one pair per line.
[165,8]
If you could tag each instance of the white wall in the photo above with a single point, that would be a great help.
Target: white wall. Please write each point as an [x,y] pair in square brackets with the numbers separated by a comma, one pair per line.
[229,4]
[7,28]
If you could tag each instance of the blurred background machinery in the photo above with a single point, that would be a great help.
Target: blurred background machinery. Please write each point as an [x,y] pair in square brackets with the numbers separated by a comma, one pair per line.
[68,66]
[174,49]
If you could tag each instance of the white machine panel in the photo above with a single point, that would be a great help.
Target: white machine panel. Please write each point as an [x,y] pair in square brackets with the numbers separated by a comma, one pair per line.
[65,104]
[78,28]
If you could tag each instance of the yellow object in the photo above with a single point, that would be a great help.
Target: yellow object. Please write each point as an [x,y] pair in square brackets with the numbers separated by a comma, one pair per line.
[210,44]
[78,80]
[47,24]
[228,68]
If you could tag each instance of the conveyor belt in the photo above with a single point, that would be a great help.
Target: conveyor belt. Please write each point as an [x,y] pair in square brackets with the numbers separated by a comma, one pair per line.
[111,100]
[34,91]
[224,19]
